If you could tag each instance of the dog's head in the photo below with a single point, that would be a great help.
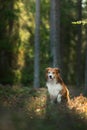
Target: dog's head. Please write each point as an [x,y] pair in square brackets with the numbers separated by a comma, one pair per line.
[52,74]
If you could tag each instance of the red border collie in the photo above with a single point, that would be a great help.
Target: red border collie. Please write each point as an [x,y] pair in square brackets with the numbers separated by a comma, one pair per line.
[56,87]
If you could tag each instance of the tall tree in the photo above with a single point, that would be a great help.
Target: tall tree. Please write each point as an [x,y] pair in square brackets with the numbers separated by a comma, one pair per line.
[85,91]
[7,30]
[36,47]
[55,32]
[79,44]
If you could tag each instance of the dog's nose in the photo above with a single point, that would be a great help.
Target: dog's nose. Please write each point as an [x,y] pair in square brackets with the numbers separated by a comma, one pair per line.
[50,76]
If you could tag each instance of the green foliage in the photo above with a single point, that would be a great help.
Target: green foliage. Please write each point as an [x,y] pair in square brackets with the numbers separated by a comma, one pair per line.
[16,29]
[83,22]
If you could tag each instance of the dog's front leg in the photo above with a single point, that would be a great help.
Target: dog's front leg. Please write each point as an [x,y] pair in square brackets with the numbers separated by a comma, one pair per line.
[59,98]
[52,99]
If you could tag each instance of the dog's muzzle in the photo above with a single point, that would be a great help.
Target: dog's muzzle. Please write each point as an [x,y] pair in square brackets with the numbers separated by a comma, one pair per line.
[50,76]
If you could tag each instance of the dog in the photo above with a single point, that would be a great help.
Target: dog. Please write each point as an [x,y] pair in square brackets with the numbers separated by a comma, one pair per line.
[56,87]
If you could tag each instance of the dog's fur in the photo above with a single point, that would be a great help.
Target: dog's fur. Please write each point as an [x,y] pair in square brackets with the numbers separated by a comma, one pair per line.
[56,87]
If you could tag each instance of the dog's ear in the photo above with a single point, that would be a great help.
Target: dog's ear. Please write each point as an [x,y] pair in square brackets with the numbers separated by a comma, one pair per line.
[47,69]
[57,70]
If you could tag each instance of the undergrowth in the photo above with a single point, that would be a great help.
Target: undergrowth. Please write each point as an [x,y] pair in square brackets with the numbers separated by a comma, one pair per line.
[23,108]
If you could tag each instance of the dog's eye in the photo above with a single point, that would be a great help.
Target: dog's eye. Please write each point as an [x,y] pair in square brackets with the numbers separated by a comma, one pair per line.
[48,72]
[53,72]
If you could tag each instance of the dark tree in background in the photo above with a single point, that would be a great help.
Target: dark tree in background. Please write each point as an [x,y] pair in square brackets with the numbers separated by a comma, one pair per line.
[55,32]
[8,41]
[85,91]
[36,46]
[79,45]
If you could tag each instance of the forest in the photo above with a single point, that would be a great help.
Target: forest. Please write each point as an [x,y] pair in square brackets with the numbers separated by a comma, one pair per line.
[17,29]
[36,34]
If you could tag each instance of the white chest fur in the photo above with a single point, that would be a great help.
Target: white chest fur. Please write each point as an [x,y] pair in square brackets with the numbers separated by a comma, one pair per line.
[53,88]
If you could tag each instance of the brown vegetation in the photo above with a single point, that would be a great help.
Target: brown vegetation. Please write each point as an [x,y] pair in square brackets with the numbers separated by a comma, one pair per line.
[33,109]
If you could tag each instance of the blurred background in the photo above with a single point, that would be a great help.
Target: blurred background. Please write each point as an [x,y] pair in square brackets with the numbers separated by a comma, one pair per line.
[60,40]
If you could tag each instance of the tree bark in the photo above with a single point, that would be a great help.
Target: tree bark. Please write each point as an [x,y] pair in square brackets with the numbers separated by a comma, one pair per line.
[36,47]
[55,32]
[79,45]
[85,90]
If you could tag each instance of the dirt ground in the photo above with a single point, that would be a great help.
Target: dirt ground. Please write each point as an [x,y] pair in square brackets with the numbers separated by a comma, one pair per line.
[28,109]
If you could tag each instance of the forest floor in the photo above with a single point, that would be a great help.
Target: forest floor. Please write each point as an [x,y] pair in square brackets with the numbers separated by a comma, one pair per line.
[22,108]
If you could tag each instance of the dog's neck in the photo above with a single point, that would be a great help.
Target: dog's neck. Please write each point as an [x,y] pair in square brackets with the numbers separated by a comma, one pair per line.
[54,87]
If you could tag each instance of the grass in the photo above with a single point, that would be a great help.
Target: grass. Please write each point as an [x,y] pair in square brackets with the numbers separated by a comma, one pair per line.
[23,108]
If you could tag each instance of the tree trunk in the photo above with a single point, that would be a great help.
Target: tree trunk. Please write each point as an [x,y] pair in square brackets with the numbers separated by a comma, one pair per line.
[85,90]
[79,45]
[11,21]
[36,47]
[55,32]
